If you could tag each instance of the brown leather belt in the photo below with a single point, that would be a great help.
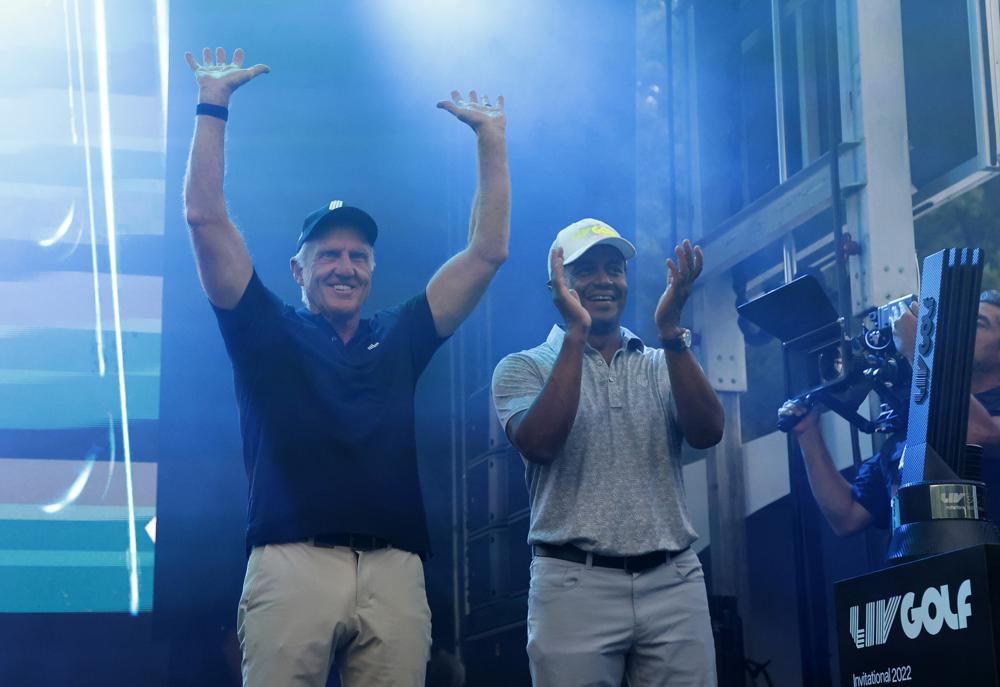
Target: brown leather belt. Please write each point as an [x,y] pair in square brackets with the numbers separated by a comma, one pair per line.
[631,564]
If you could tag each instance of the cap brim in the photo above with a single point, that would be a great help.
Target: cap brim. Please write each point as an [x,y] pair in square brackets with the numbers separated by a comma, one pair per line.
[624,247]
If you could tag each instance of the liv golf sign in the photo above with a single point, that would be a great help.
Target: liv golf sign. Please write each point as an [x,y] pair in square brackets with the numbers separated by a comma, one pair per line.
[929,622]
[934,612]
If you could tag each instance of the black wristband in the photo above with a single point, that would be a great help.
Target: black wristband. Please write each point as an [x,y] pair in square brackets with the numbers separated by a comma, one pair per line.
[213,111]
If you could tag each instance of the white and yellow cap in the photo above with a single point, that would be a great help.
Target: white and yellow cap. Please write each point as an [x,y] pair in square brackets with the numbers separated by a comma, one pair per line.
[581,236]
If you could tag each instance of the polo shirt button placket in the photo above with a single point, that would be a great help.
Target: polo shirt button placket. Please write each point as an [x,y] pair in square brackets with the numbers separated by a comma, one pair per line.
[614,390]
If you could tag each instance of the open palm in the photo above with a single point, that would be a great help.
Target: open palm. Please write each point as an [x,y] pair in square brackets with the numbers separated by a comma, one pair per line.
[220,78]
[680,283]
[476,112]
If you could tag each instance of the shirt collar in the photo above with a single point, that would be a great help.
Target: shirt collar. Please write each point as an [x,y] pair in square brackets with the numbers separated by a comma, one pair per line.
[630,342]
[364,333]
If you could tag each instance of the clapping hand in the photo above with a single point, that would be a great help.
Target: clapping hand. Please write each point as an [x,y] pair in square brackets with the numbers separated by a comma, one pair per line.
[567,300]
[680,283]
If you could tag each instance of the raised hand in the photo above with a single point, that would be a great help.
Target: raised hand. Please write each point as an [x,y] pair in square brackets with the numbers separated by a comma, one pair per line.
[680,283]
[478,115]
[217,80]
[566,300]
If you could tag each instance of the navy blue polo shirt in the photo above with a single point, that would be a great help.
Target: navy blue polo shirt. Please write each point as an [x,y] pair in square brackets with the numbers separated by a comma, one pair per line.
[873,484]
[328,429]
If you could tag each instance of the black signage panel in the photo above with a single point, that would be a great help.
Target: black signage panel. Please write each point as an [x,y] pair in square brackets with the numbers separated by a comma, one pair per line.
[931,622]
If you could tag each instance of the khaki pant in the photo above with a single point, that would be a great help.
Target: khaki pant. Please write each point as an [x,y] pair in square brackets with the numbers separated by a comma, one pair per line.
[305,608]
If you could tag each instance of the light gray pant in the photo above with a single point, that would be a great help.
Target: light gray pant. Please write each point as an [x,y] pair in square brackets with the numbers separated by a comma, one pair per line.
[305,608]
[591,626]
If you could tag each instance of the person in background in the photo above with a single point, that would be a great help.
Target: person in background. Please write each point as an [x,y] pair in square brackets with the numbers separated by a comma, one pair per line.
[850,507]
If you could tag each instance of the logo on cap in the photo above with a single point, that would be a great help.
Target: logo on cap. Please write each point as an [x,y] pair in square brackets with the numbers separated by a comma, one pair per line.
[598,229]
[334,204]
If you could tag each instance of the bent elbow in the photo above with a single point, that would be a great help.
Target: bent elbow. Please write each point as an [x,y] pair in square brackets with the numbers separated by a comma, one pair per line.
[500,256]
[843,528]
[198,217]
[706,439]
[533,453]
[494,257]
[853,521]
[195,218]
[708,435]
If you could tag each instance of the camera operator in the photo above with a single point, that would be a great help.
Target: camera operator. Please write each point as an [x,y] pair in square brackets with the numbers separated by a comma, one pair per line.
[851,507]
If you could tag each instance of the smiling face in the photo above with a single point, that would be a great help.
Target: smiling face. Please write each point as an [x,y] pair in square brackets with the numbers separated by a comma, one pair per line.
[598,276]
[986,358]
[335,273]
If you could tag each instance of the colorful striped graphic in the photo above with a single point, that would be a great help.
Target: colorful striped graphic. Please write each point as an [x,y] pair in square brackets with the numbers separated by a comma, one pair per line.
[81,227]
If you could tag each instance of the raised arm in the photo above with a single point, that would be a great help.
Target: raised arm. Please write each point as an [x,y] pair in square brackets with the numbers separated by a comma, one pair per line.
[699,412]
[540,432]
[832,492]
[223,261]
[456,288]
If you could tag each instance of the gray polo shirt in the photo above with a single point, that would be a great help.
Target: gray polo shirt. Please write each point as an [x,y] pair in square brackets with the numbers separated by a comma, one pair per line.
[616,486]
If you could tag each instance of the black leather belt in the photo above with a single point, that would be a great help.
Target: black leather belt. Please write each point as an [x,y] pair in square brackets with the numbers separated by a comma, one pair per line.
[631,564]
[358,542]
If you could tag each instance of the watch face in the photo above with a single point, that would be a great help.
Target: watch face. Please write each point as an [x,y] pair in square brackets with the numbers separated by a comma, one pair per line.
[686,338]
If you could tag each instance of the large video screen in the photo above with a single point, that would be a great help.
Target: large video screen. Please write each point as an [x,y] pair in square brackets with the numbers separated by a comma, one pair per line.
[83,106]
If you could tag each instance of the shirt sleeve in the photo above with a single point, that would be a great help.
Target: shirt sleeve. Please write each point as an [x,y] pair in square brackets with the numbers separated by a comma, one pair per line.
[990,400]
[517,381]
[872,492]
[415,315]
[252,327]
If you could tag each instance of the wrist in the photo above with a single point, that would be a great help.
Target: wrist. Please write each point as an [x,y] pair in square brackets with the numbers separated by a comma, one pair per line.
[489,133]
[576,335]
[807,430]
[680,342]
[213,97]
[669,332]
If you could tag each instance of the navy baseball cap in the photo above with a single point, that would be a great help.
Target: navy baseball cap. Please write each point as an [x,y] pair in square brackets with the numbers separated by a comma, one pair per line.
[336,214]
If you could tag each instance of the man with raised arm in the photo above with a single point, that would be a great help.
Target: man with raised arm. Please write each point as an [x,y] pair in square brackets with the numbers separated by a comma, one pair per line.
[598,417]
[336,526]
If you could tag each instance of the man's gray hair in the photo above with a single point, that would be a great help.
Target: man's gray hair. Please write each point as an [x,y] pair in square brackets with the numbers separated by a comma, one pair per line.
[991,296]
